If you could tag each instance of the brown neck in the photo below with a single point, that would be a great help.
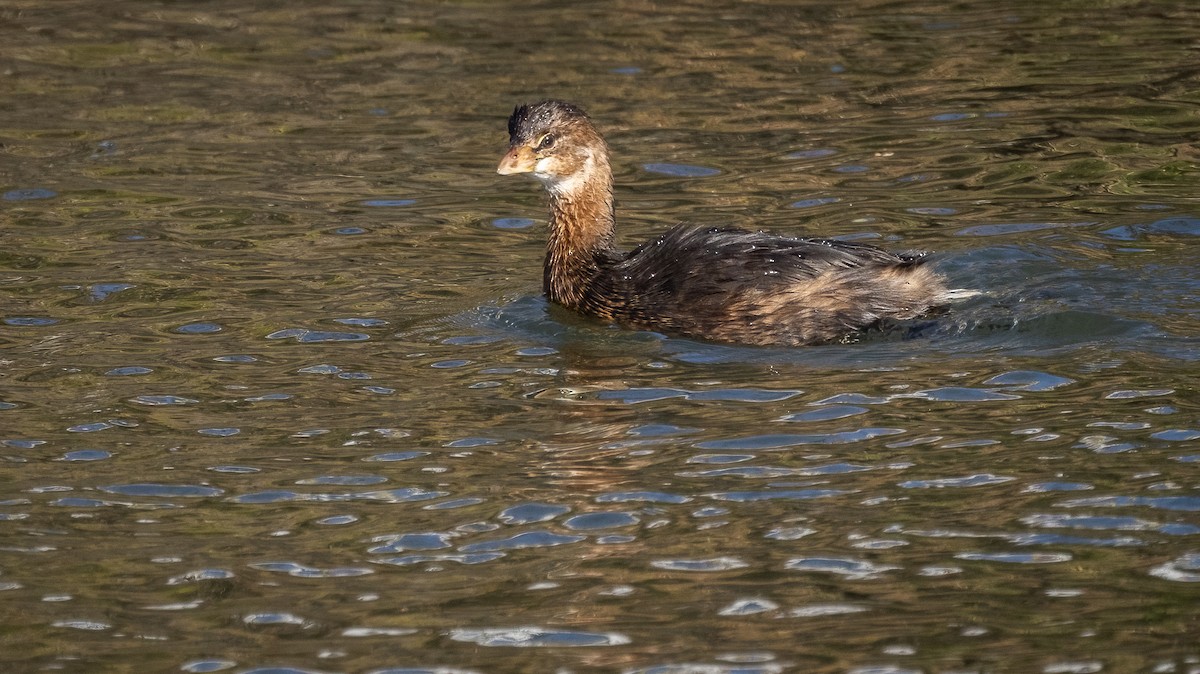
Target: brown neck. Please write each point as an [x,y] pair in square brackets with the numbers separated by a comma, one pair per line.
[581,233]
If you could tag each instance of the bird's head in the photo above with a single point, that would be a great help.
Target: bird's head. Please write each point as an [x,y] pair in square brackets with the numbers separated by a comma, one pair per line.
[556,143]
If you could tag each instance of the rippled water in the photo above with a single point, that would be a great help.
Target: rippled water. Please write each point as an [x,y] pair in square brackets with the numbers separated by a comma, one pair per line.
[278,392]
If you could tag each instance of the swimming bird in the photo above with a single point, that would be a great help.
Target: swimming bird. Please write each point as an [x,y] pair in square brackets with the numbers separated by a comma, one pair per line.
[722,284]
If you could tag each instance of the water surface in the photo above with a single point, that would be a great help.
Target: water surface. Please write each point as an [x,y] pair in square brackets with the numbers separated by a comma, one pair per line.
[278,391]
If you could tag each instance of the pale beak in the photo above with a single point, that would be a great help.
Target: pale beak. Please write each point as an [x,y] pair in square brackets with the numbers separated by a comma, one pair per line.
[518,159]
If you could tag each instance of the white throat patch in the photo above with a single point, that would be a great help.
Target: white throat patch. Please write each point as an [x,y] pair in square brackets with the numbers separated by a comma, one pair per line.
[563,185]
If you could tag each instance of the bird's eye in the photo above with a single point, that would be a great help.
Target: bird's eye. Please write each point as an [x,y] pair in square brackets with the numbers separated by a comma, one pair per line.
[545,142]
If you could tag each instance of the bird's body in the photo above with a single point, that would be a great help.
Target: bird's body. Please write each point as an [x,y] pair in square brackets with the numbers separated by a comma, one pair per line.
[720,284]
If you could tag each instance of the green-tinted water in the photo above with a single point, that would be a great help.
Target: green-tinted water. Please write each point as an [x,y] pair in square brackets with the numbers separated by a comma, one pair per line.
[278,391]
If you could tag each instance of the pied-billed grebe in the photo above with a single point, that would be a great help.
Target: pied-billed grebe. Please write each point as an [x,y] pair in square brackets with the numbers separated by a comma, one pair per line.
[722,284]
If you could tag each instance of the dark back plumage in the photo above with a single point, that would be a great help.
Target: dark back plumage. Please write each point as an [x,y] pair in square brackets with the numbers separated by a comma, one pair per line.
[735,285]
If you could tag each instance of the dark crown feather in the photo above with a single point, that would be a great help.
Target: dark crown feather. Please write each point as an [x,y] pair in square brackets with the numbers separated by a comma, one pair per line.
[529,118]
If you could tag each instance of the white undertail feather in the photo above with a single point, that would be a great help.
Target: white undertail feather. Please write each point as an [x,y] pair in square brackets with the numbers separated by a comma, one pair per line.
[959,294]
